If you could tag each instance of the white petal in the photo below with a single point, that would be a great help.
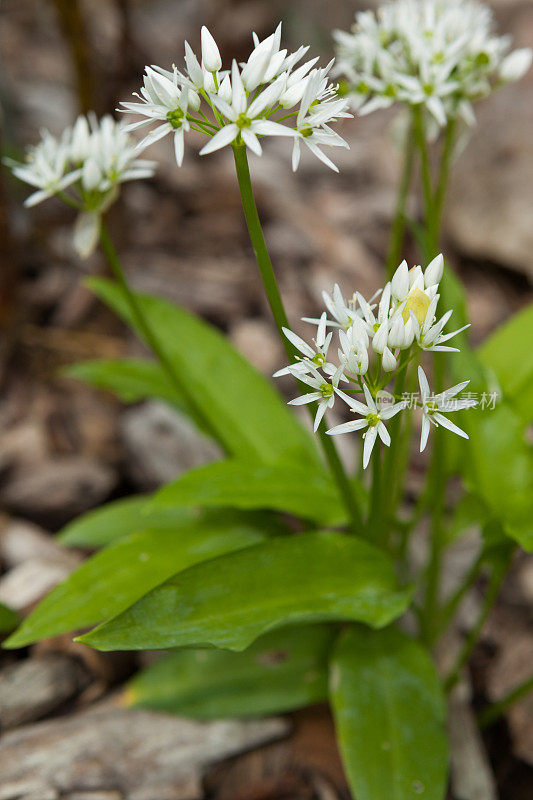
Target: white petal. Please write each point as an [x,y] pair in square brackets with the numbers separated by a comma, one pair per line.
[266,127]
[305,398]
[449,425]
[425,433]
[370,440]
[424,385]
[348,427]
[383,434]
[223,137]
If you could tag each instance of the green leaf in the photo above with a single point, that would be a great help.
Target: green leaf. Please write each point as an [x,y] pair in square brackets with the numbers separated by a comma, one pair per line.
[116,577]
[131,379]
[119,518]
[389,711]
[500,469]
[250,418]
[230,601]
[283,670]
[508,354]
[9,619]
[299,490]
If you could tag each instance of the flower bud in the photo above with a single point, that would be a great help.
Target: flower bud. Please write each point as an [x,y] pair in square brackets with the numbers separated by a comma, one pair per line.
[210,54]
[379,342]
[396,335]
[434,270]
[516,64]
[225,89]
[389,361]
[400,282]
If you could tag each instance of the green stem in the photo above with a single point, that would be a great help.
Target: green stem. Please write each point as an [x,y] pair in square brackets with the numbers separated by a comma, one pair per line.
[280,317]
[148,335]
[444,173]
[495,711]
[438,483]
[375,521]
[419,135]
[391,465]
[496,578]
[398,224]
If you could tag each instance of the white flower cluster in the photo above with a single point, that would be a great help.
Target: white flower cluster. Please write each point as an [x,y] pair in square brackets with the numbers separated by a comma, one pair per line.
[441,54]
[268,95]
[85,167]
[401,324]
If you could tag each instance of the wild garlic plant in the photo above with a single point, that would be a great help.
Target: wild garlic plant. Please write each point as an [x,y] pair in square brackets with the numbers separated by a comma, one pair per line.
[263,614]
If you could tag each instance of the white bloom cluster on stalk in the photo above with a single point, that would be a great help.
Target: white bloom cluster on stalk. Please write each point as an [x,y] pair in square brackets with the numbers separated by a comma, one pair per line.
[268,95]
[390,334]
[84,166]
[441,54]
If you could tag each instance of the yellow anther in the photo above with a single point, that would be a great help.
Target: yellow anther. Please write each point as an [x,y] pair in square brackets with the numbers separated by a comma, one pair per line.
[417,302]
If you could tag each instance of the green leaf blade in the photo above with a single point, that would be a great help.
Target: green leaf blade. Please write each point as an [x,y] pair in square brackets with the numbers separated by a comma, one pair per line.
[389,710]
[296,489]
[118,576]
[283,670]
[230,601]
[250,418]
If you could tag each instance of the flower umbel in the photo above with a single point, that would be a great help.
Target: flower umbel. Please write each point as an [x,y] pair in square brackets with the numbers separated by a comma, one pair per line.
[85,167]
[440,54]
[240,106]
[373,344]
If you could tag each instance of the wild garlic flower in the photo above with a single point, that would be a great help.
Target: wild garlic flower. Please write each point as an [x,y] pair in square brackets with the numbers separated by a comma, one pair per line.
[267,95]
[47,167]
[372,419]
[372,343]
[440,54]
[325,389]
[434,405]
[84,167]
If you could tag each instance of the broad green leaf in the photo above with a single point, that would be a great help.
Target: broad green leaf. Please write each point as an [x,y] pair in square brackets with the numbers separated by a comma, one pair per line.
[300,490]
[131,379]
[283,670]
[250,418]
[389,712]
[500,469]
[116,577]
[508,354]
[230,601]
[9,619]
[119,518]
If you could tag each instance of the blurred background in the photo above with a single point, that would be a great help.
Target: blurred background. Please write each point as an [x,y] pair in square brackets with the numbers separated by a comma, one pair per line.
[66,448]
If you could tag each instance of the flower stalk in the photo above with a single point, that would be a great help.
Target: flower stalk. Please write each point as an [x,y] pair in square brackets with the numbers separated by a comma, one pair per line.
[270,284]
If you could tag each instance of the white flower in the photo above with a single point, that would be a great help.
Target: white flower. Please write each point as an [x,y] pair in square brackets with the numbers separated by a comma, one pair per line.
[90,160]
[324,390]
[46,168]
[354,348]
[441,54]
[343,313]
[242,104]
[316,355]
[315,112]
[434,405]
[372,420]
[246,120]
[429,334]
[163,97]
